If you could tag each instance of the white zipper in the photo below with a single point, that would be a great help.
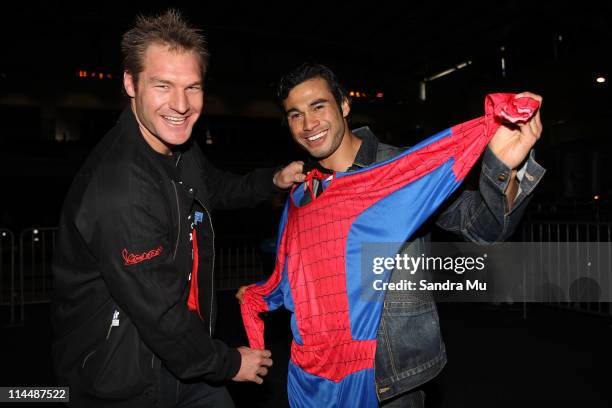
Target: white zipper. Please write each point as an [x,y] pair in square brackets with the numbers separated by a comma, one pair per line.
[114,323]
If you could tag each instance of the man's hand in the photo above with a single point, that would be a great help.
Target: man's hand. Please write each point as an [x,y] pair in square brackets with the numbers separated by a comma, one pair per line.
[254,364]
[511,144]
[292,173]
[240,294]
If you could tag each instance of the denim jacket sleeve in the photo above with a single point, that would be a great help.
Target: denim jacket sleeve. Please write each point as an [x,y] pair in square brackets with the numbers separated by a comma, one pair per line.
[482,216]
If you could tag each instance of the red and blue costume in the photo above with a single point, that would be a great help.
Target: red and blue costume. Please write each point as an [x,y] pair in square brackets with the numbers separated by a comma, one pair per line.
[318,266]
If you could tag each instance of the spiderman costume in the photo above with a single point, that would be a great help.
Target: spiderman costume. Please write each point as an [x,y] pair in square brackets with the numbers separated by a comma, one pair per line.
[318,267]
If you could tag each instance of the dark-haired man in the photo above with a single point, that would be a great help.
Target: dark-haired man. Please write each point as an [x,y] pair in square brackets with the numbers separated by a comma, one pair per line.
[409,349]
[134,311]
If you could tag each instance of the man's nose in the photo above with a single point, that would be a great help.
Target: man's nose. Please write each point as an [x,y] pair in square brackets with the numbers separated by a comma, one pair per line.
[179,102]
[310,121]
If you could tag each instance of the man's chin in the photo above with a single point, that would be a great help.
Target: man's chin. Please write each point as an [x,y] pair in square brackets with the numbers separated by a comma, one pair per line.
[318,154]
[177,139]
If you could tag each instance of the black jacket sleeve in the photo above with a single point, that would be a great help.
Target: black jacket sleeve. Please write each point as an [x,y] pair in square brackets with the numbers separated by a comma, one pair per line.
[227,190]
[130,236]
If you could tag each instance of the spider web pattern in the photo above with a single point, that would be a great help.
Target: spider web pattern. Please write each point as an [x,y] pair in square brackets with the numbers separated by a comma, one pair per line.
[313,248]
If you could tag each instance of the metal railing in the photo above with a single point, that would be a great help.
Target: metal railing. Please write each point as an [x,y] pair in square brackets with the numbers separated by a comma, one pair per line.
[575,284]
[32,281]
[7,271]
[36,247]
[560,231]
[238,266]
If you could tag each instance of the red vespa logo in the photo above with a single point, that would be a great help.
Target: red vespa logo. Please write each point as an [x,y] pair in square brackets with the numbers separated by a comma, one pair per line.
[133,259]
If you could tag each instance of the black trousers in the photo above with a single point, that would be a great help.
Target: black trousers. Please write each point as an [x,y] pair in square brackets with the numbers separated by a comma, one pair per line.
[177,394]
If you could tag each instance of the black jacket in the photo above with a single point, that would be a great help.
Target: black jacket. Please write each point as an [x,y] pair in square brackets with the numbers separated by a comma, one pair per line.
[122,268]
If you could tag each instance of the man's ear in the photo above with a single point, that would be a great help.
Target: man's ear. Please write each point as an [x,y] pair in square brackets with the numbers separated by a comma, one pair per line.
[346,108]
[129,85]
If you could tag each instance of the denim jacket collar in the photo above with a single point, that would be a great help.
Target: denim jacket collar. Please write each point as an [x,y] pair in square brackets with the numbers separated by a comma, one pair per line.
[366,154]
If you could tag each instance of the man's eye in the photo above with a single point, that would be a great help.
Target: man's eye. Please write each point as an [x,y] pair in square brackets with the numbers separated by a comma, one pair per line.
[294,116]
[318,107]
[162,86]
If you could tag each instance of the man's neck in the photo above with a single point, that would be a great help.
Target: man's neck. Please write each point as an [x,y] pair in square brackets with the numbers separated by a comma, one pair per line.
[344,156]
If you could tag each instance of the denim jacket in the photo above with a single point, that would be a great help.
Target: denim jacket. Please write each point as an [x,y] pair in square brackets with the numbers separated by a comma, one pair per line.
[410,349]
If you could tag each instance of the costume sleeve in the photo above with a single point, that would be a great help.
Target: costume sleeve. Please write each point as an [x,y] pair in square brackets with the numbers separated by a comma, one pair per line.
[266,296]
[130,237]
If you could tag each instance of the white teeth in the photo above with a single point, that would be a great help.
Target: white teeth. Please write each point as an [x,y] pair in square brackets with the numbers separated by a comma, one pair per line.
[174,120]
[316,137]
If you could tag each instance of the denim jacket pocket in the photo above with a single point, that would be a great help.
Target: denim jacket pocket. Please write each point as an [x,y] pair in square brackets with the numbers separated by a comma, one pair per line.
[410,350]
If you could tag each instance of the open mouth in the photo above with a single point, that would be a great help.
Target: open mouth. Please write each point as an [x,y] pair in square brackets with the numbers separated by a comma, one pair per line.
[175,120]
[316,137]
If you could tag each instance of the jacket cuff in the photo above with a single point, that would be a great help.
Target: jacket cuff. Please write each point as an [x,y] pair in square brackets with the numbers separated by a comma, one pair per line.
[496,172]
[530,174]
[498,175]
[234,360]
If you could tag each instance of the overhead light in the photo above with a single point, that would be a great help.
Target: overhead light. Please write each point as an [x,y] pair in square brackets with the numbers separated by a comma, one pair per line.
[422,90]
[600,79]
[596,197]
[448,71]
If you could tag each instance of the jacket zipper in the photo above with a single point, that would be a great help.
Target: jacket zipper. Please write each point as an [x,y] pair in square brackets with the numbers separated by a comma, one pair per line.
[87,358]
[114,323]
[178,212]
[212,281]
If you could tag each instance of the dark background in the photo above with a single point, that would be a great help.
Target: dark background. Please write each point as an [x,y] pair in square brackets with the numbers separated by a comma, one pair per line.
[60,91]
[50,117]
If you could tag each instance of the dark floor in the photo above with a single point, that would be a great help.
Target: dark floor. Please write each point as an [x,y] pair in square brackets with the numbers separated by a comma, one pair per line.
[554,358]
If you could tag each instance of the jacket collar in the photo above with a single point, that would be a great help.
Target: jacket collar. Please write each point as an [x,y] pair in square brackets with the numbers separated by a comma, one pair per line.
[129,124]
[366,154]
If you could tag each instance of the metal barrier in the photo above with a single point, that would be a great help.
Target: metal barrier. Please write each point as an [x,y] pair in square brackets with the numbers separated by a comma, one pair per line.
[560,231]
[574,288]
[36,247]
[244,265]
[235,267]
[7,271]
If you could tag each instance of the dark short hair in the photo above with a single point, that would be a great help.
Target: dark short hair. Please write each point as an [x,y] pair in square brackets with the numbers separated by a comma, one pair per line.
[168,29]
[310,70]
